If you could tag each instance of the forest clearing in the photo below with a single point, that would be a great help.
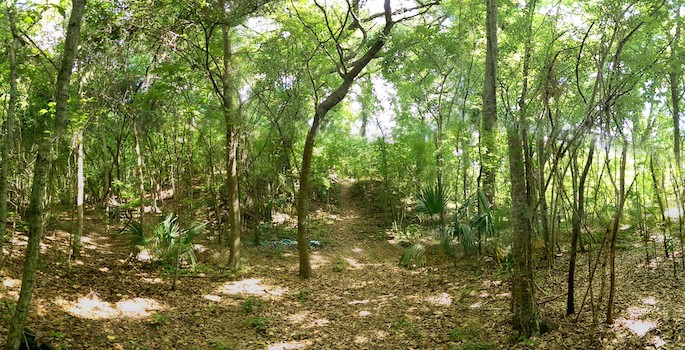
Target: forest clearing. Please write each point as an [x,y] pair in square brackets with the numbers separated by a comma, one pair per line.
[341,174]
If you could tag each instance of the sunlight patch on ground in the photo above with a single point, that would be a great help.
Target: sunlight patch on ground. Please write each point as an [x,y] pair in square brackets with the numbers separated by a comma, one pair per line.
[649,301]
[287,346]
[214,298]
[476,305]
[358,250]
[442,299]
[251,286]
[298,317]
[11,282]
[361,339]
[637,327]
[357,302]
[364,313]
[317,260]
[92,308]
[657,342]
[636,312]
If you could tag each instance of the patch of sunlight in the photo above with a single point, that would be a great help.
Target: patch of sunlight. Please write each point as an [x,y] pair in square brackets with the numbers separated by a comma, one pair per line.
[279,218]
[317,260]
[442,299]
[92,308]
[360,339]
[151,280]
[624,227]
[489,284]
[298,317]
[503,295]
[11,282]
[320,323]
[287,346]
[635,312]
[649,301]
[214,298]
[357,302]
[251,286]
[637,327]
[103,269]
[657,342]
[484,294]
[380,334]
[354,263]
[144,256]
[476,305]
[364,313]
[358,250]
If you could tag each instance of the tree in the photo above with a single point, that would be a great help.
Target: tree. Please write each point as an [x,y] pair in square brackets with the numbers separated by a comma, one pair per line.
[40,177]
[489,120]
[11,109]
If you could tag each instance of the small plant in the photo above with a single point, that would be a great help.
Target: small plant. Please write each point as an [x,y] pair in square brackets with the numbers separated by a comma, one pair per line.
[414,256]
[158,320]
[302,296]
[340,264]
[433,199]
[257,323]
[249,304]
[58,335]
[479,345]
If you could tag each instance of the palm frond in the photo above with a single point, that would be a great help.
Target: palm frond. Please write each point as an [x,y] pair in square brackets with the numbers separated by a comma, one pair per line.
[415,255]
[434,199]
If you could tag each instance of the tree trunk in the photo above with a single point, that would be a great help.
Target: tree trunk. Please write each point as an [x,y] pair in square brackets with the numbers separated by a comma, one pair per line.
[40,176]
[141,178]
[614,231]
[578,217]
[76,241]
[489,122]
[526,317]
[7,142]
[674,78]
[231,119]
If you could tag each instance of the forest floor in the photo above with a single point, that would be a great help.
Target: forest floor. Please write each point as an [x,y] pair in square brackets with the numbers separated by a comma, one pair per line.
[358,298]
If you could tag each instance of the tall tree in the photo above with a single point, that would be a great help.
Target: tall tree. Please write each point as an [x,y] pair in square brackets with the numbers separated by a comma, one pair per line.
[489,114]
[9,120]
[41,174]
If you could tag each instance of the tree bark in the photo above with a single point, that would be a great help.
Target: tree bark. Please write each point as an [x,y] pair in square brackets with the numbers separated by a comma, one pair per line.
[578,217]
[489,120]
[141,178]
[40,176]
[231,119]
[76,242]
[614,231]
[11,108]
[674,78]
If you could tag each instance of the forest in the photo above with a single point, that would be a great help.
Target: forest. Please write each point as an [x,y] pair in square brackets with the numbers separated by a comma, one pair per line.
[341,174]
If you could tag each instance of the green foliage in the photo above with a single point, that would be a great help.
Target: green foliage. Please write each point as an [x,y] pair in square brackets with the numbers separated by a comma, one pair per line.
[414,256]
[169,242]
[433,199]
[302,296]
[469,228]
[340,264]
[257,323]
[249,304]
[135,232]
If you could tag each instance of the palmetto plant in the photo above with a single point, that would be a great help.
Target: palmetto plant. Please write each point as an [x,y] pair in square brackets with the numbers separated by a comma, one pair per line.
[170,243]
[433,199]
[471,226]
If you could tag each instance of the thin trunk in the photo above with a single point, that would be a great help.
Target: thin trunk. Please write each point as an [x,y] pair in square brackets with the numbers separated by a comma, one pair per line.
[7,142]
[674,79]
[231,120]
[76,241]
[141,179]
[489,119]
[614,231]
[578,217]
[40,176]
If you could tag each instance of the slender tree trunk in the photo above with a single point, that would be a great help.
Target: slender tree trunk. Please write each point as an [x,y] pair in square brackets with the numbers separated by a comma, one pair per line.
[489,120]
[614,231]
[40,176]
[578,217]
[76,241]
[7,142]
[231,119]
[141,178]
[674,79]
